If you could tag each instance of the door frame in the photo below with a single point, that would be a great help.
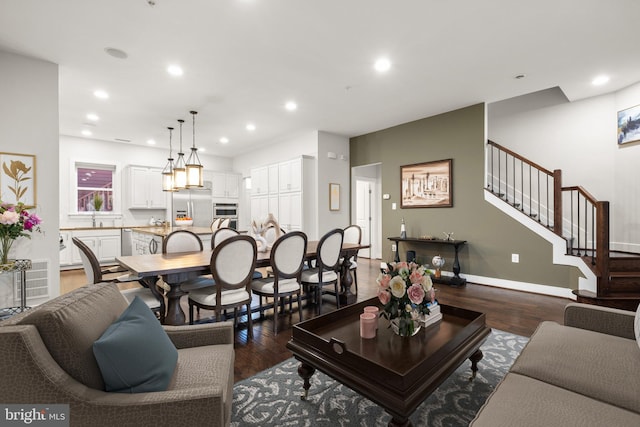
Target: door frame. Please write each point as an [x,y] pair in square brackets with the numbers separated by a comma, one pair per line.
[376,206]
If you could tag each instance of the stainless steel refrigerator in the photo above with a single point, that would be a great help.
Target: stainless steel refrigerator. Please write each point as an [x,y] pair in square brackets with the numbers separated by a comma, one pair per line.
[196,204]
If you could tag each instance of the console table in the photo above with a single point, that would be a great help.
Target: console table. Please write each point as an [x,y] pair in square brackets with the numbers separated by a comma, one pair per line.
[17,266]
[456,280]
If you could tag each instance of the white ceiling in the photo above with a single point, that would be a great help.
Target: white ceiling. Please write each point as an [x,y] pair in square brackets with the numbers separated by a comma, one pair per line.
[243,59]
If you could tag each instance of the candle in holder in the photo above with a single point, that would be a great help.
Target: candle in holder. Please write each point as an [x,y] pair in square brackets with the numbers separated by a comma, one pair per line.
[373,309]
[368,323]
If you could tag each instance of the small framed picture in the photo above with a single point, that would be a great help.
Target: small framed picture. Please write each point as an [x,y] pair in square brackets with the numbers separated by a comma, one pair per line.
[629,125]
[426,185]
[334,197]
[18,178]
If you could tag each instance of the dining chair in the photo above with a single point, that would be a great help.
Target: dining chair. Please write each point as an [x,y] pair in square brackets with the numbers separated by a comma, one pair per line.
[353,234]
[150,295]
[186,241]
[222,234]
[215,224]
[232,265]
[224,223]
[287,259]
[327,269]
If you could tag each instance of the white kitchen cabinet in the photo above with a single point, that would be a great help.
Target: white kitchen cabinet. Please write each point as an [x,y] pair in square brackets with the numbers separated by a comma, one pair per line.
[259,208]
[225,185]
[273,179]
[260,181]
[144,243]
[105,244]
[290,175]
[145,188]
[290,209]
[66,253]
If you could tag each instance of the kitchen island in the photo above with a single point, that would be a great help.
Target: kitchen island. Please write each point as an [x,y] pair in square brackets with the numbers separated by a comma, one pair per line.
[148,240]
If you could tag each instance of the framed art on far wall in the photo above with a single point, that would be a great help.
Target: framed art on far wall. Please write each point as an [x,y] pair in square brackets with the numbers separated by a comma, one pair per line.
[18,178]
[426,185]
[334,197]
[629,125]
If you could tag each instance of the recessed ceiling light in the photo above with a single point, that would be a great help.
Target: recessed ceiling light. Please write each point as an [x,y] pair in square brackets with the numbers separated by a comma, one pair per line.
[87,132]
[291,106]
[101,94]
[224,140]
[151,141]
[202,149]
[600,80]
[93,117]
[251,127]
[116,53]
[382,65]
[175,70]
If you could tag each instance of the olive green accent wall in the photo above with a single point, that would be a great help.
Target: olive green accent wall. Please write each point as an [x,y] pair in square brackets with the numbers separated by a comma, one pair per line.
[492,235]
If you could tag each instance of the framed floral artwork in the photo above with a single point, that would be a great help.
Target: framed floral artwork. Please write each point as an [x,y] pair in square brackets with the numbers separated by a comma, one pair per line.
[334,197]
[18,178]
[426,185]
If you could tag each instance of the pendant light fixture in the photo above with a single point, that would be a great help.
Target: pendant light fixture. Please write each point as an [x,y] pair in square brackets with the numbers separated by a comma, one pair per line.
[179,171]
[194,167]
[167,172]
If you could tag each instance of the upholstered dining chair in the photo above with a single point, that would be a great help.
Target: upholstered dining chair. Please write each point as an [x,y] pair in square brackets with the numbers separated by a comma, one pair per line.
[287,259]
[222,234]
[232,265]
[224,223]
[186,241]
[353,234]
[215,224]
[327,269]
[151,296]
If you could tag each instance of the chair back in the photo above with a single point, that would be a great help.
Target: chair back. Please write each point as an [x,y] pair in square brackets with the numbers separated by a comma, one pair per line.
[224,223]
[287,255]
[181,241]
[353,234]
[89,261]
[222,234]
[233,262]
[271,235]
[329,248]
[215,224]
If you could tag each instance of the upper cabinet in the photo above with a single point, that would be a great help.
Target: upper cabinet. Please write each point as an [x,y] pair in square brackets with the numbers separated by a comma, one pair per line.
[290,175]
[260,181]
[144,188]
[225,185]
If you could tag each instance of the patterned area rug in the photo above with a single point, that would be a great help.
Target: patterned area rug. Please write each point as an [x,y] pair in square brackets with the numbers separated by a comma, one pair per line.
[272,397]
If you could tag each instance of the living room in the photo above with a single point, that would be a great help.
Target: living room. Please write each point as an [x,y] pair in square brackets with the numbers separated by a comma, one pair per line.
[542,121]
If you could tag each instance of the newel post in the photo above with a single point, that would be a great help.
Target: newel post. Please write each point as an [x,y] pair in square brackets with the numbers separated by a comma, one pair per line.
[602,247]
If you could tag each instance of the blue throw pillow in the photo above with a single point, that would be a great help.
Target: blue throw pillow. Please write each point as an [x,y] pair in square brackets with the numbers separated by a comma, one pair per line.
[135,354]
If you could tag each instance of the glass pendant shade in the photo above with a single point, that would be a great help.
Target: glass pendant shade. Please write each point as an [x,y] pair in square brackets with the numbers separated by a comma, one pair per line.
[194,167]
[167,172]
[179,170]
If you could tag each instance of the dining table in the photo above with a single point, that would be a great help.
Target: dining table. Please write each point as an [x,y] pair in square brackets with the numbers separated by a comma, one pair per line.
[177,268]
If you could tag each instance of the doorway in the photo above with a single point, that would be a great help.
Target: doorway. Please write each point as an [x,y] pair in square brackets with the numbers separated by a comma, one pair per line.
[368,207]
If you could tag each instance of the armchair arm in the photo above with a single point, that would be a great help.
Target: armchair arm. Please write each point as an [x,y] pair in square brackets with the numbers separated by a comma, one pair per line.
[611,321]
[199,335]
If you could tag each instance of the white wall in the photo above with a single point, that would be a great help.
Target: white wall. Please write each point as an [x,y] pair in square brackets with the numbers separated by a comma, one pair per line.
[73,149]
[580,139]
[29,125]
[334,171]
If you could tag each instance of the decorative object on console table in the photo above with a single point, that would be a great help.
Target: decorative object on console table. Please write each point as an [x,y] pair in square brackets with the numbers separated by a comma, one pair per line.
[426,185]
[456,280]
[406,292]
[438,263]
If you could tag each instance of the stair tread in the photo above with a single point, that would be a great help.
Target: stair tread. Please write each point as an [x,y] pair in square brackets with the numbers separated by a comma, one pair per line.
[624,273]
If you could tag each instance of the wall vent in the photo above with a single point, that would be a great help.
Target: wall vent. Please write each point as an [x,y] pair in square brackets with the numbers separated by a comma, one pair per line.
[37,280]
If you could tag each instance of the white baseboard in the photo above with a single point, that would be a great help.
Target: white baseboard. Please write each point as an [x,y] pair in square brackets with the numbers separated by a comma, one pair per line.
[521,286]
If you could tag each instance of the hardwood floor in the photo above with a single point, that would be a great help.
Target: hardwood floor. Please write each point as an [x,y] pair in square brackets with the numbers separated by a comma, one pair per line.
[511,311]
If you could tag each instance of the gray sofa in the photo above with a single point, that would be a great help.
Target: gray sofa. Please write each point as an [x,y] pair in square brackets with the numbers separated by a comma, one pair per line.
[585,373]
[47,358]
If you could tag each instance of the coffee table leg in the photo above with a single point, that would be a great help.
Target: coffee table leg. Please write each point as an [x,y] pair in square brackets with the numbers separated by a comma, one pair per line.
[305,372]
[475,358]
[400,422]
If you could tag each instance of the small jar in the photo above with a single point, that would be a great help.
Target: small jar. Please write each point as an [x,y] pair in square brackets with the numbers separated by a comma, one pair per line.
[368,323]
[373,309]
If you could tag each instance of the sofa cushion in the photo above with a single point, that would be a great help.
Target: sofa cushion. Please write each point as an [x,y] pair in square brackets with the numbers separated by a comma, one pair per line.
[597,365]
[70,324]
[522,401]
[134,354]
[636,325]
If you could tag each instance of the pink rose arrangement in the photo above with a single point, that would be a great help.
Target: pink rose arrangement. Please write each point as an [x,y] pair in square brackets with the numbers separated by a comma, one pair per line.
[405,291]
[15,221]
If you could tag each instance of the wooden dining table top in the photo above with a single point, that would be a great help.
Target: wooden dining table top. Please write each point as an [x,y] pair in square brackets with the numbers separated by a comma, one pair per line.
[184,262]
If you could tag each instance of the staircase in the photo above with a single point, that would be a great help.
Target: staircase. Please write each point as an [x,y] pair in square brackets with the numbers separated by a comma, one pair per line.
[574,215]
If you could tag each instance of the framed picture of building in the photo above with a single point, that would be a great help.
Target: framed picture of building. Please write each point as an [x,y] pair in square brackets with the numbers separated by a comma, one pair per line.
[629,125]
[426,185]
[18,178]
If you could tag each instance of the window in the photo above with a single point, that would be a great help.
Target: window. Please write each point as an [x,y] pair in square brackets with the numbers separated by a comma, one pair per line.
[94,184]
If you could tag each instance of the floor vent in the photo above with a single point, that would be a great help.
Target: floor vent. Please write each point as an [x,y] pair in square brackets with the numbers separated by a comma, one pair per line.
[37,280]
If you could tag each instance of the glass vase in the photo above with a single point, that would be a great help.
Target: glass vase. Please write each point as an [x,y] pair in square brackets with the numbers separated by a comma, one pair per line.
[408,329]
[5,247]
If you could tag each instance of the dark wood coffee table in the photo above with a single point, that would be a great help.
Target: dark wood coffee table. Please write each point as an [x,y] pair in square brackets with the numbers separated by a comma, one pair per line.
[396,373]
